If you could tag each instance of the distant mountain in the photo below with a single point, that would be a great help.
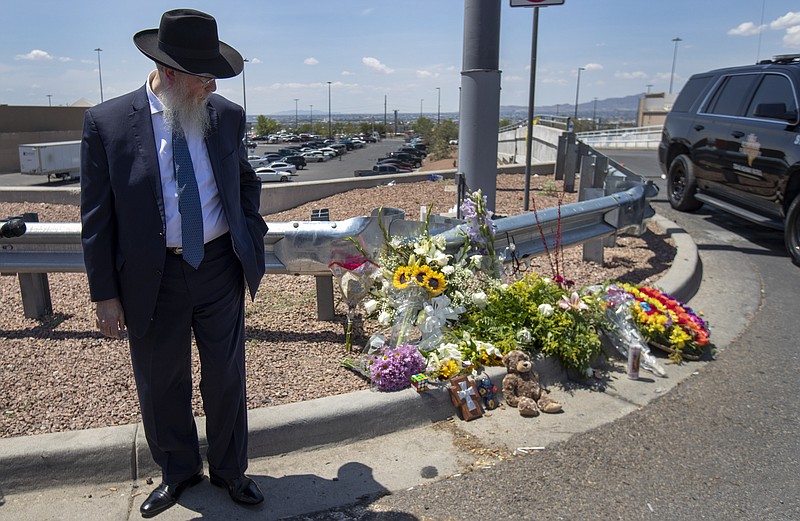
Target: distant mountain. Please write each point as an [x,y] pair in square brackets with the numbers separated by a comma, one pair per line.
[610,109]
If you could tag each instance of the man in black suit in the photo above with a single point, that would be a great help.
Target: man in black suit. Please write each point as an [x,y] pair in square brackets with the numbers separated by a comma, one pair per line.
[171,235]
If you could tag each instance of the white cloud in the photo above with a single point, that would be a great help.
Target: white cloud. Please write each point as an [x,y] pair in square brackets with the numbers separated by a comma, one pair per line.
[374,63]
[311,61]
[786,21]
[593,67]
[427,74]
[513,78]
[368,11]
[746,29]
[637,75]
[347,73]
[35,55]
[255,60]
[65,59]
[792,37]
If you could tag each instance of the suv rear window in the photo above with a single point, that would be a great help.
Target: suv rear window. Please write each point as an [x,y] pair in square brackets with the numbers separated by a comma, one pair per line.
[774,89]
[731,95]
[689,93]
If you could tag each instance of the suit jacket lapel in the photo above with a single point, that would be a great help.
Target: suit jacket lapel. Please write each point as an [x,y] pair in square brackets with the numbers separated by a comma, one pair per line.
[212,145]
[141,124]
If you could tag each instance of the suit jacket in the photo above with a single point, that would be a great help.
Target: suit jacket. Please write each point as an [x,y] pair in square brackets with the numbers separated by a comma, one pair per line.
[122,208]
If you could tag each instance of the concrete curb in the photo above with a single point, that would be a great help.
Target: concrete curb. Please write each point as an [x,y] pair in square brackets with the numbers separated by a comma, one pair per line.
[120,453]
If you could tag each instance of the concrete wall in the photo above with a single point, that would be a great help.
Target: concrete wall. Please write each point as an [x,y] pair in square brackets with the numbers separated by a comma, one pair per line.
[25,125]
[544,144]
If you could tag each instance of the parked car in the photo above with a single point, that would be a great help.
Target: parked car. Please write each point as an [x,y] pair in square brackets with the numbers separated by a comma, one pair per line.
[731,141]
[407,158]
[328,151]
[257,161]
[268,175]
[315,157]
[390,169]
[396,162]
[281,166]
[297,160]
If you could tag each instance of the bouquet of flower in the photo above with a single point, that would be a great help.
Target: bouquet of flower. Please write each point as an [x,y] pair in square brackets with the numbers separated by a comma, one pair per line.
[354,279]
[392,368]
[668,324]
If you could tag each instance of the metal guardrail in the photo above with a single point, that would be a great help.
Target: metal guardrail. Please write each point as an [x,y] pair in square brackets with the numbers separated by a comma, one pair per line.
[634,138]
[308,247]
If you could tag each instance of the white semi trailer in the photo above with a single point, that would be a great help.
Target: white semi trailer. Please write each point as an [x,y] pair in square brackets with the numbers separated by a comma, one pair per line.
[60,160]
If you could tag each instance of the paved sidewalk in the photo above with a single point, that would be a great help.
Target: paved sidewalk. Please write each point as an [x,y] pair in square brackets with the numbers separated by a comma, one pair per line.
[324,453]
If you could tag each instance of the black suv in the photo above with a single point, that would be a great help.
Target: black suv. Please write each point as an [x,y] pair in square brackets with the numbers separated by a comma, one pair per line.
[732,141]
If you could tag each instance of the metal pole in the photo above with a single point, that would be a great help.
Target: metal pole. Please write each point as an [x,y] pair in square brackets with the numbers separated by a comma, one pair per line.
[385,101]
[100,73]
[296,125]
[330,131]
[311,116]
[577,91]
[674,57]
[49,100]
[439,105]
[420,108]
[531,97]
[480,103]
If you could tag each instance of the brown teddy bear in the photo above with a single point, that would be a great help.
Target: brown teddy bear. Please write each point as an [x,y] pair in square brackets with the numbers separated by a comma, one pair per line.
[521,387]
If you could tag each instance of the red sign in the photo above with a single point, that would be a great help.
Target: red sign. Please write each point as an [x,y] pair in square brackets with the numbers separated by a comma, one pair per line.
[535,3]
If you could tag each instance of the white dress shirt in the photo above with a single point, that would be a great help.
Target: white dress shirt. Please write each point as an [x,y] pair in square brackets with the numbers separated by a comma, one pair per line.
[214,222]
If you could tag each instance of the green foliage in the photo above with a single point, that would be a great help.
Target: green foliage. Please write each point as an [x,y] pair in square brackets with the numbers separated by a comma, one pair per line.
[265,126]
[424,127]
[439,140]
[528,314]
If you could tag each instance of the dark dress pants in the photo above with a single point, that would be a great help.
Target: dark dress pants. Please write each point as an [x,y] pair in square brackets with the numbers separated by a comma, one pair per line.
[208,301]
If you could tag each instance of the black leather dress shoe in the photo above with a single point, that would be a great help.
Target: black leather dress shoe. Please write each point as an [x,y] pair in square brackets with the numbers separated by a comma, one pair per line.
[166,494]
[241,489]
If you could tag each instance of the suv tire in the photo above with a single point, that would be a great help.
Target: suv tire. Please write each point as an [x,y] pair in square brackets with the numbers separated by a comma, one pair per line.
[681,185]
[791,232]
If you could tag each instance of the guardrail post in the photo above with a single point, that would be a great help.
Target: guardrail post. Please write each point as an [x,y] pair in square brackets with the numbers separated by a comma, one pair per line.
[570,163]
[591,187]
[325,311]
[561,155]
[34,287]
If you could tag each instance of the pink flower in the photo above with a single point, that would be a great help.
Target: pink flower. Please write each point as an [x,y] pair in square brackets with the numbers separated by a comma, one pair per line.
[572,302]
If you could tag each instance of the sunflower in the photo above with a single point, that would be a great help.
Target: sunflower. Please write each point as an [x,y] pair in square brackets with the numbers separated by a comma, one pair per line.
[421,274]
[402,277]
[435,282]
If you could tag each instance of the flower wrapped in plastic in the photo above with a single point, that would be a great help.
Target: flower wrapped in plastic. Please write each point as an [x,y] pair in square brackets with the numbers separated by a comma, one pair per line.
[620,329]
[668,324]
[354,278]
[393,367]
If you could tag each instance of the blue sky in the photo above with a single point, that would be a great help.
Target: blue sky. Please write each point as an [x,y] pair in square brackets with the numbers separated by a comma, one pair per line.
[399,51]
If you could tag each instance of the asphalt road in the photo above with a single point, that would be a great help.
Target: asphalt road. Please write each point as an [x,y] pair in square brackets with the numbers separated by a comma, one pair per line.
[723,445]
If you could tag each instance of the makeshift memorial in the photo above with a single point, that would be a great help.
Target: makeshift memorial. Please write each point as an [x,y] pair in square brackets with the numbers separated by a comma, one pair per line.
[392,369]
[521,387]
[668,324]
[353,277]
[465,397]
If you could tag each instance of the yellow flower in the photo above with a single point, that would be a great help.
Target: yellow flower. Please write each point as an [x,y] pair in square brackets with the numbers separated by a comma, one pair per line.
[435,282]
[402,277]
[449,369]
[421,274]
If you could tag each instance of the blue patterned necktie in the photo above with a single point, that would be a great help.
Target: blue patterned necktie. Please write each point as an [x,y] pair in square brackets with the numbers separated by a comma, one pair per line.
[188,203]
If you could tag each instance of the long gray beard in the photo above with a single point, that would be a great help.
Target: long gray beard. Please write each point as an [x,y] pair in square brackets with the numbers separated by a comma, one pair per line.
[183,113]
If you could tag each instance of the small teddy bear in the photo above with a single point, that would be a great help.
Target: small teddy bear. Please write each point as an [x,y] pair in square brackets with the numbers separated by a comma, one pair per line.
[521,387]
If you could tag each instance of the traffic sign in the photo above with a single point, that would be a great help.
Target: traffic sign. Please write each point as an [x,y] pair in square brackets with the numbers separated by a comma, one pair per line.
[535,3]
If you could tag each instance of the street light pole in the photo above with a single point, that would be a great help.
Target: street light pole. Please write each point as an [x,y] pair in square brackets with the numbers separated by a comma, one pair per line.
[420,108]
[49,100]
[439,105]
[577,92]
[674,57]
[594,115]
[311,116]
[330,131]
[296,126]
[100,73]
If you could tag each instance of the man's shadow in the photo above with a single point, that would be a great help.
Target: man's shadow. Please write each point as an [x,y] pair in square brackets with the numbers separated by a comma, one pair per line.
[301,495]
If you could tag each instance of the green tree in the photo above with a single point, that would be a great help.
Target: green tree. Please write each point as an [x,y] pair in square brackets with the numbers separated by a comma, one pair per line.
[266,126]
[424,127]
[440,147]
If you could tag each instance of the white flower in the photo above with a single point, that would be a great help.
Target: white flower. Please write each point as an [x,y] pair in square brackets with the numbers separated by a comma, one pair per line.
[384,318]
[523,335]
[477,259]
[370,306]
[545,310]
[572,302]
[489,349]
[448,270]
[449,351]
[480,299]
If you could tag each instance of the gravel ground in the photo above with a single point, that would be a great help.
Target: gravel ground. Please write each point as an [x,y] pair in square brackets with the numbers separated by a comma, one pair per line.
[59,374]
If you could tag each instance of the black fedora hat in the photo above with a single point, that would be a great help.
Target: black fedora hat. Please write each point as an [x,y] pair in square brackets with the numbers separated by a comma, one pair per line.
[187,40]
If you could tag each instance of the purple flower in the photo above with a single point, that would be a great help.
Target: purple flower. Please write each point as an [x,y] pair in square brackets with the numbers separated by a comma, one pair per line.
[393,368]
